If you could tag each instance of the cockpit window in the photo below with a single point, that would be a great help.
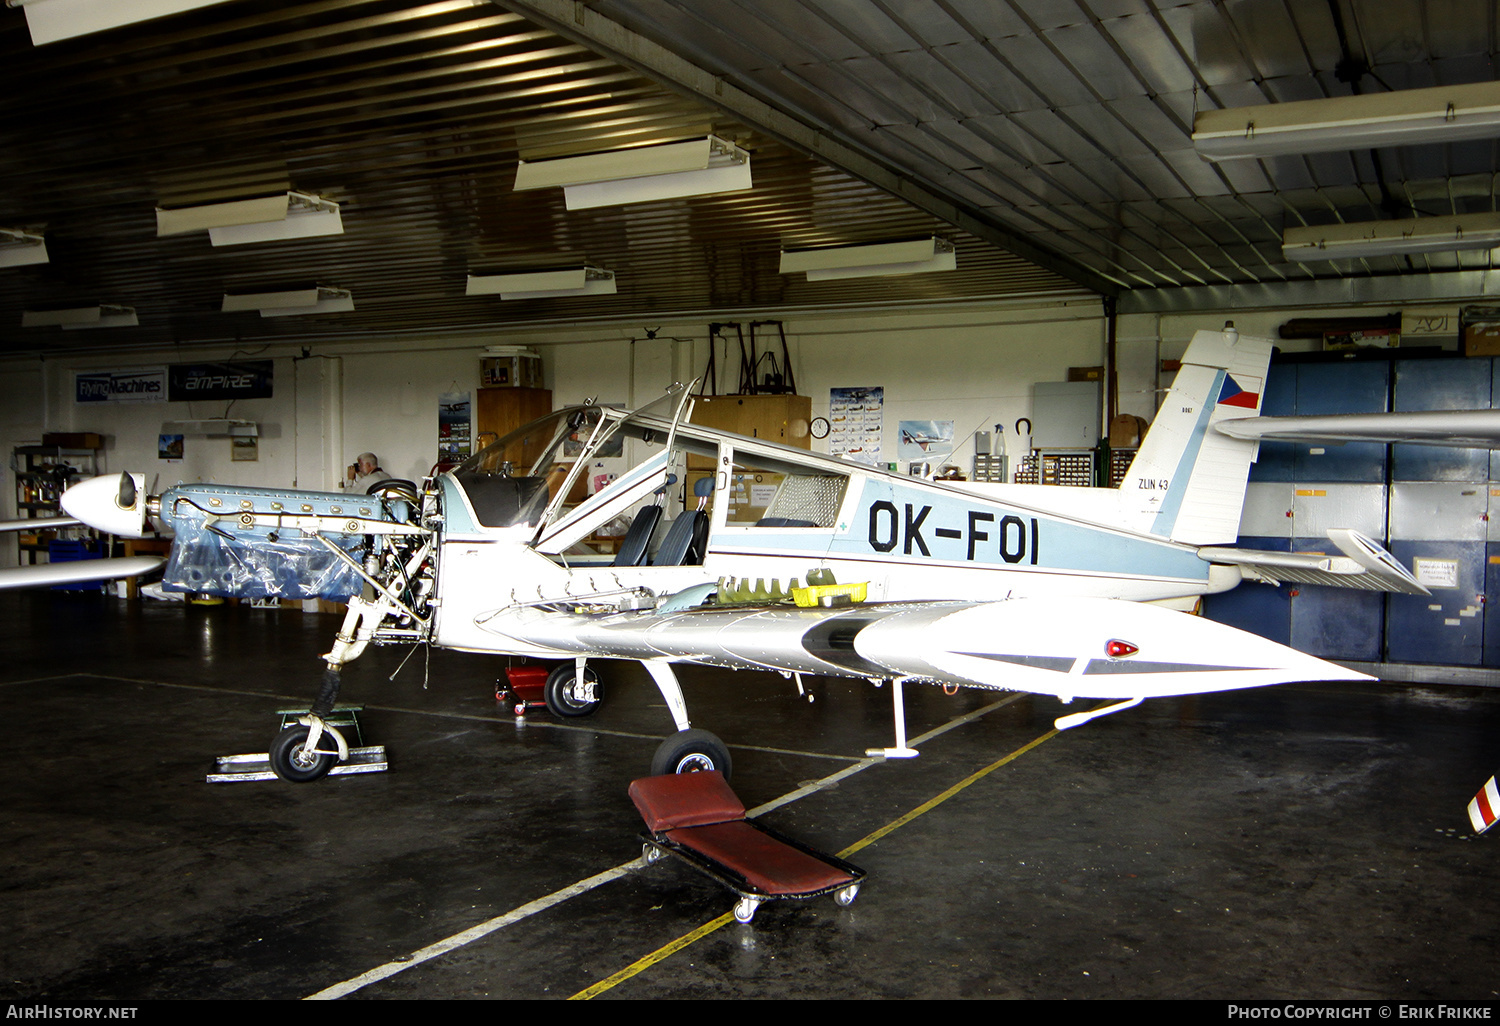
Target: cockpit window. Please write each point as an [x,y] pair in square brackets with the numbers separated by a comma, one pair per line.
[511,480]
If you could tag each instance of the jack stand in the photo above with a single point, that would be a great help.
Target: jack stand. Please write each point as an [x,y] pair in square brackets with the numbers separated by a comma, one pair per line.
[900,751]
[364,759]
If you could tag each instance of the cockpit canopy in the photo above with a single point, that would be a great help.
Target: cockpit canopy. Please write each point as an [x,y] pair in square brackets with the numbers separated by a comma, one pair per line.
[515,479]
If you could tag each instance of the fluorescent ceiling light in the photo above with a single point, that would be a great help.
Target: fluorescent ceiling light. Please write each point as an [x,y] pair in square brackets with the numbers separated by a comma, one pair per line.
[18,248]
[573,281]
[290,215]
[694,168]
[289,299]
[306,217]
[51,20]
[1433,115]
[881,258]
[329,301]
[217,427]
[1387,238]
[103,316]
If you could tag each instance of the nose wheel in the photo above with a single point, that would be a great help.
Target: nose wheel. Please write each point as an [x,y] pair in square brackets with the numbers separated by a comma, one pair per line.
[292,760]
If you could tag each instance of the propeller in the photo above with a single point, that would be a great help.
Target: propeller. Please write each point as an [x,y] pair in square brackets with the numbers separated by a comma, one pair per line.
[127,491]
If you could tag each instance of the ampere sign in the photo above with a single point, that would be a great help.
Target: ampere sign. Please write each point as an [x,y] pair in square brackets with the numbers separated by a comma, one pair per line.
[244,380]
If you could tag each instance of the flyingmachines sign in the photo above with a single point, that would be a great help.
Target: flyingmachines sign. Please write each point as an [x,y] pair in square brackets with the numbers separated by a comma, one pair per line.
[142,385]
[182,382]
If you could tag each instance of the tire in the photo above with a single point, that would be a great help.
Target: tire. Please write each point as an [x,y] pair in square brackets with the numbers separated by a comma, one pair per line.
[691,751]
[744,910]
[286,756]
[845,895]
[404,489]
[566,696]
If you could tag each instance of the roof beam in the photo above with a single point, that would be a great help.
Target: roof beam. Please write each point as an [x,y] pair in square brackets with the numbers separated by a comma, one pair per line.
[583,25]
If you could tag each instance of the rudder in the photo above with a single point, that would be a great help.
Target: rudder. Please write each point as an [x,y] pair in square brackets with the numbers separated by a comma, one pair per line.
[1187,482]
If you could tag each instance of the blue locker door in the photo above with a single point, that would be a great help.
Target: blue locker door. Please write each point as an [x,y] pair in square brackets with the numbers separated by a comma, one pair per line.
[1441,385]
[1253,606]
[1324,389]
[1337,623]
[1438,531]
[1276,458]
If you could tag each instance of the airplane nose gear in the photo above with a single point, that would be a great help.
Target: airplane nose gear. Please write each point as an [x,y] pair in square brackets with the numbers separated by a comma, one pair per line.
[307,752]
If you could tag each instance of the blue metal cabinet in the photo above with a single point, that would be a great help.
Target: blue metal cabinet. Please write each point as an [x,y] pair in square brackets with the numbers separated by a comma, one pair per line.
[1439,532]
[1326,389]
[1441,385]
[1337,623]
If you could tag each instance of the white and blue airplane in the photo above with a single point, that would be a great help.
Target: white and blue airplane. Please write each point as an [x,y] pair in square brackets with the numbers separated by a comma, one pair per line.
[780,559]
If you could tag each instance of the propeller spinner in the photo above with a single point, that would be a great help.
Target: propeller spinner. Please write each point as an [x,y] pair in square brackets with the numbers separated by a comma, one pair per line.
[114,505]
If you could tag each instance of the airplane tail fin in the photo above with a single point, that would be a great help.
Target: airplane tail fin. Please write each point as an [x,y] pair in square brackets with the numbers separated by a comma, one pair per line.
[1187,482]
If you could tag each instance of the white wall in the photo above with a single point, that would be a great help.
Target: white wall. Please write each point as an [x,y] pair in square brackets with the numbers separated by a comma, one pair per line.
[974,366]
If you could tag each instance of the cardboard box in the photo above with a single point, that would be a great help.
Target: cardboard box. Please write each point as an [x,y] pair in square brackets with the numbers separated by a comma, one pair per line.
[519,370]
[1381,338]
[1482,340]
[1126,431]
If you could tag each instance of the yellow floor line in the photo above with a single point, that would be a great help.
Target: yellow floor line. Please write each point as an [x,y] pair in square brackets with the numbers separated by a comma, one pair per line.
[642,964]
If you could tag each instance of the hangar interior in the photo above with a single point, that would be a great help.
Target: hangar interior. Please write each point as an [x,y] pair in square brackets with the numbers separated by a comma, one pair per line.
[1307,841]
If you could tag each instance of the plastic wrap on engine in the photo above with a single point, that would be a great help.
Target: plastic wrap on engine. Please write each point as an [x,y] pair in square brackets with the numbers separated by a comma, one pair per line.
[293,567]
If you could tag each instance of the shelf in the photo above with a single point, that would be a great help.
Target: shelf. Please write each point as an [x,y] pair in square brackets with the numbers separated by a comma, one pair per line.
[43,470]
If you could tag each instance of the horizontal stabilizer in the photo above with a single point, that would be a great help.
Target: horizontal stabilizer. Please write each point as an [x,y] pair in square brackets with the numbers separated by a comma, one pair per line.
[78,572]
[1364,565]
[1469,429]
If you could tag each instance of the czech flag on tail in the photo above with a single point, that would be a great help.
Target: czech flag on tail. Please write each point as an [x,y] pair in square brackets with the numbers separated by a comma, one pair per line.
[1245,395]
[1485,807]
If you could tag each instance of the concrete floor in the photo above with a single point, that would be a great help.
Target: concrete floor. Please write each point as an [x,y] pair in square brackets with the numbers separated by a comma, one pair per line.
[1294,842]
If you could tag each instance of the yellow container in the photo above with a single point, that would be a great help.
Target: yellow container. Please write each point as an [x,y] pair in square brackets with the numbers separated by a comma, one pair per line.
[827,594]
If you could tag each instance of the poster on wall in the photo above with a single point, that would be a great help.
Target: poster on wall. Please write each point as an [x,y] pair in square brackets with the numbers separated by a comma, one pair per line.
[454,418]
[924,439]
[169,447]
[854,418]
[140,385]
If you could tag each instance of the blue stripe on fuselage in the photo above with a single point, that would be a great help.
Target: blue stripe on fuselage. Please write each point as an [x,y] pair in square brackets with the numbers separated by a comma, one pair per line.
[892,521]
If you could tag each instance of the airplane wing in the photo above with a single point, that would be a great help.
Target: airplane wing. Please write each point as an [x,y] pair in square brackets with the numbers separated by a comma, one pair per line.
[72,572]
[1364,565]
[1068,647]
[39,524]
[76,572]
[1473,429]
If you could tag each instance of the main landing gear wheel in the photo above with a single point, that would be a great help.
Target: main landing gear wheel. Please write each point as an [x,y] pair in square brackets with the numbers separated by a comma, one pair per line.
[290,760]
[569,694]
[691,751]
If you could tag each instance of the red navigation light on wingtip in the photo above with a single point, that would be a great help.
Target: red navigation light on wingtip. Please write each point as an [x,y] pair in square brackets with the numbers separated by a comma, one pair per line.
[1117,649]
